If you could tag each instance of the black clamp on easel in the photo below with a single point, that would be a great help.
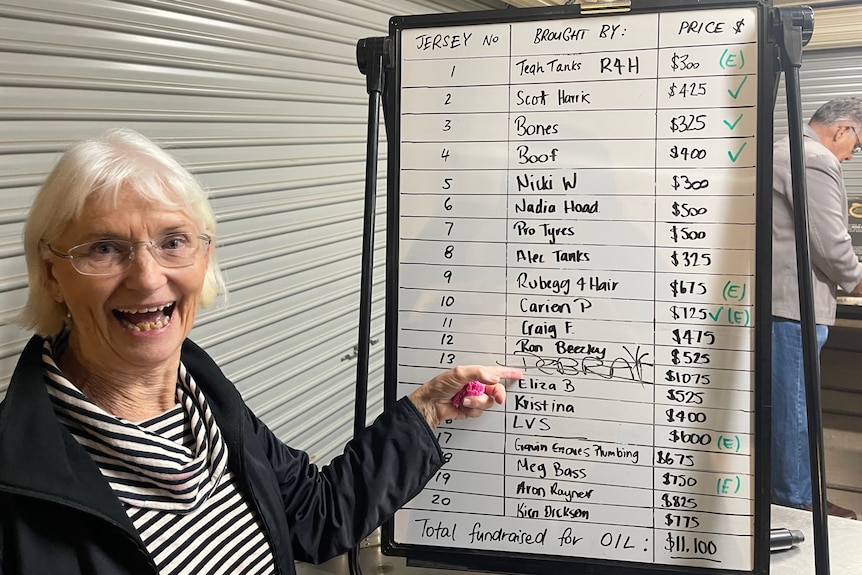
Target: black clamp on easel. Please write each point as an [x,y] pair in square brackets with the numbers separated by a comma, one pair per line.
[373,57]
[793,27]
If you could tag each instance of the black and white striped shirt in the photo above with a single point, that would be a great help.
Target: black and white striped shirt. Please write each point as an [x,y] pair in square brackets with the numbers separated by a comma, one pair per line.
[170,473]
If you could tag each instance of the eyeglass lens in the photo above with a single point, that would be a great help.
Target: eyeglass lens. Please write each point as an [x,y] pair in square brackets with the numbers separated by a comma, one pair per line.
[110,256]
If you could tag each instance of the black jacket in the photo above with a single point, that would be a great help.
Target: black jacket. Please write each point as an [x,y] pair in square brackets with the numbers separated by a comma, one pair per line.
[59,516]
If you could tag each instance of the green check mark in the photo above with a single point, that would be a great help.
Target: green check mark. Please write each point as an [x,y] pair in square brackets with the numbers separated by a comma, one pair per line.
[717,314]
[735,94]
[734,157]
[733,125]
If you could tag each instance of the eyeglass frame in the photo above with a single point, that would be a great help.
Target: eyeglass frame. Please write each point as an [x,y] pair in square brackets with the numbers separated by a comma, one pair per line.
[154,251]
[858,147]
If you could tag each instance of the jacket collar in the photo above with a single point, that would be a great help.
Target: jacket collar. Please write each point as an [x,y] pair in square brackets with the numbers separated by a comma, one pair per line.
[40,458]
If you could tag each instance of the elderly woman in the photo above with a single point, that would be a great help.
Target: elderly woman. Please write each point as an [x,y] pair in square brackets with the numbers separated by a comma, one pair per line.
[123,447]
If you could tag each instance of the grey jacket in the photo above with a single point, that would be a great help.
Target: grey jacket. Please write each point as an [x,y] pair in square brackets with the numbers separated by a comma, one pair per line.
[832,257]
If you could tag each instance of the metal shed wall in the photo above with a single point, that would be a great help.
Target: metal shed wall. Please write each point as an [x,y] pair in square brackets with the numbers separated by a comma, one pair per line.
[824,75]
[262,99]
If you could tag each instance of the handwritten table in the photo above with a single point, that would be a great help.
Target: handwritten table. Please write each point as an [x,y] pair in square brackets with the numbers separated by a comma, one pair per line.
[577,198]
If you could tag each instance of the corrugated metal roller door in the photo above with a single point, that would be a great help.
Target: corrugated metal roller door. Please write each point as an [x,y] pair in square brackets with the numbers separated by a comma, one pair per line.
[836,22]
[264,102]
[826,74]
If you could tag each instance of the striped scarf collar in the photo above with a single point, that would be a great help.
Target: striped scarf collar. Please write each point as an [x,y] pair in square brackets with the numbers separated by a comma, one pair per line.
[144,468]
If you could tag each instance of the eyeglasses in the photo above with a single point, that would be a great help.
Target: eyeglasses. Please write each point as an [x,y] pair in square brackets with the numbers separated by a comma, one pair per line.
[110,257]
[858,147]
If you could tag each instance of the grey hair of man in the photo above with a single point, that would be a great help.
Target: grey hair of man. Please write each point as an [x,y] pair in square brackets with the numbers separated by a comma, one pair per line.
[105,168]
[839,110]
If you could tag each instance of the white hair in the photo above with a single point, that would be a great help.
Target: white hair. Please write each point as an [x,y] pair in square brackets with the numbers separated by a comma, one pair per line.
[106,167]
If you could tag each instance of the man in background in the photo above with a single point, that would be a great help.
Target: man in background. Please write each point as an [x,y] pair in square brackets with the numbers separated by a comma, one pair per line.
[831,137]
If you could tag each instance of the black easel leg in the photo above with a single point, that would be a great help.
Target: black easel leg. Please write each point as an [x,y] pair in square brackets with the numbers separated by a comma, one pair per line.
[793,23]
[370,57]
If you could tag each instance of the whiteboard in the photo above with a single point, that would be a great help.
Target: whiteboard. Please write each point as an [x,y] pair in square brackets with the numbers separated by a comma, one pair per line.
[577,196]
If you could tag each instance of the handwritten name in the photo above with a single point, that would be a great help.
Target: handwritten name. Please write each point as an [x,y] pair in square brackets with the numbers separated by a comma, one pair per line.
[526,403]
[522,128]
[539,282]
[545,328]
[595,450]
[581,304]
[529,256]
[544,182]
[527,67]
[557,468]
[549,231]
[629,368]
[543,206]
[563,347]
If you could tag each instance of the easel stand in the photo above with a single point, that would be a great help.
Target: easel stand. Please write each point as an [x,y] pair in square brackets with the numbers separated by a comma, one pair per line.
[793,28]
[372,58]
[371,54]
[375,57]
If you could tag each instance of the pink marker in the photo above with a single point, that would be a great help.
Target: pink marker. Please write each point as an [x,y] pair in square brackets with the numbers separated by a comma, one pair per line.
[472,388]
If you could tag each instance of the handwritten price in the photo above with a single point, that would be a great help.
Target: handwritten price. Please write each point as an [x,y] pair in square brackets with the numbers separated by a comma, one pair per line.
[679,544]
[681,521]
[686,234]
[682,62]
[685,396]
[670,458]
[693,378]
[686,183]
[678,501]
[684,210]
[688,312]
[683,287]
[678,479]
[690,438]
[693,336]
[690,259]
[688,123]
[683,416]
[686,89]
[689,357]
[685,153]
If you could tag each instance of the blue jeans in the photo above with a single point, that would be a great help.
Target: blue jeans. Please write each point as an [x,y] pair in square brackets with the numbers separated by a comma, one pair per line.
[791,471]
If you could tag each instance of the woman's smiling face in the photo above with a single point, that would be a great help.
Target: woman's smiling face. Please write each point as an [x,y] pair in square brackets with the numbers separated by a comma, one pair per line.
[135,320]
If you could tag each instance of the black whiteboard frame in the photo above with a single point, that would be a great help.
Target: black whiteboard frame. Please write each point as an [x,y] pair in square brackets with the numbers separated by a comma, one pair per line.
[767,79]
